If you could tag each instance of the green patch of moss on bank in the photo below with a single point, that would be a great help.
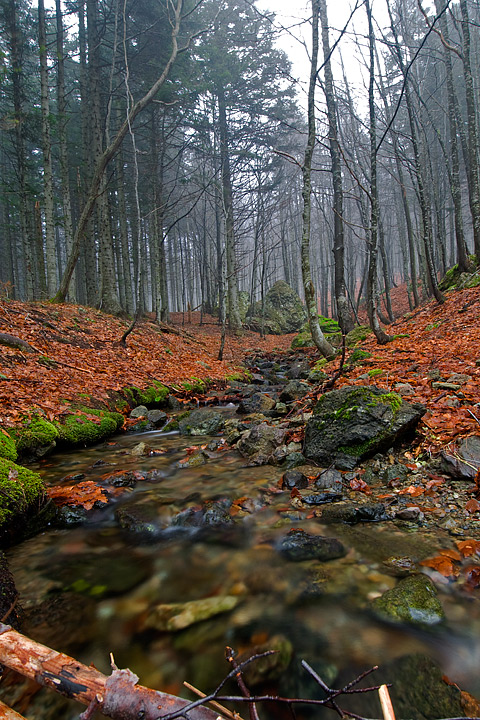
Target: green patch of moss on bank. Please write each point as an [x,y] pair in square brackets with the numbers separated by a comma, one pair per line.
[20,491]
[8,449]
[88,426]
[151,396]
[33,433]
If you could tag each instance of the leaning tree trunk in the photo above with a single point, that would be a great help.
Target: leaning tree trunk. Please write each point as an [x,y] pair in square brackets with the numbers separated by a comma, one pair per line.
[110,152]
[310,295]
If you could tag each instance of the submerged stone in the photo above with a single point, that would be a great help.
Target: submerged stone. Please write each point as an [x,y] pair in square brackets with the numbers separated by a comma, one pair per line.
[177,616]
[413,600]
[298,545]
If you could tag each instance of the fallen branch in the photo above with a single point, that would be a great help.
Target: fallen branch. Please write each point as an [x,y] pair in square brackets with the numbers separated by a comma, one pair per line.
[7,713]
[117,696]
[16,342]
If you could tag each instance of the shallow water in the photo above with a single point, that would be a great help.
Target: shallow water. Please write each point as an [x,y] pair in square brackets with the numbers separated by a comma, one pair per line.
[89,590]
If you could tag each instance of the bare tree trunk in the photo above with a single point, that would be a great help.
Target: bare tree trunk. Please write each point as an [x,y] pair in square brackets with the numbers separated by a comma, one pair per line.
[310,295]
[50,255]
[62,138]
[234,320]
[471,128]
[372,291]
[344,317]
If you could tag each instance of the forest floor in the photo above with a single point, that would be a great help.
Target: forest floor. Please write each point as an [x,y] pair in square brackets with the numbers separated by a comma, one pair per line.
[77,351]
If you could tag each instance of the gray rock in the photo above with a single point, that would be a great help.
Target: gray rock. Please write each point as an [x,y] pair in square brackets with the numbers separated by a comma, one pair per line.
[294,390]
[413,600]
[283,311]
[294,479]
[353,514]
[298,545]
[157,417]
[329,479]
[262,440]
[299,370]
[322,498]
[355,422]
[257,403]
[466,461]
[139,411]
[204,421]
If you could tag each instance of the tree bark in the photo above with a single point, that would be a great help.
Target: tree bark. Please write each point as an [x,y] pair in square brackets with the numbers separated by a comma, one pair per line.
[344,317]
[234,320]
[116,696]
[321,343]
[50,253]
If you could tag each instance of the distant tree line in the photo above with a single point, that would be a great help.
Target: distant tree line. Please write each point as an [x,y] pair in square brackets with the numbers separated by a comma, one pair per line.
[157,156]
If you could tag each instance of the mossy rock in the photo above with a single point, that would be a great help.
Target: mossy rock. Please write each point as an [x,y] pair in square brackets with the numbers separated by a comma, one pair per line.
[81,429]
[152,396]
[358,356]
[303,339]
[357,335]
[414,600]
[283,311]
[8,449]
[354,422]
[34,436]
[453,278]
[22,493]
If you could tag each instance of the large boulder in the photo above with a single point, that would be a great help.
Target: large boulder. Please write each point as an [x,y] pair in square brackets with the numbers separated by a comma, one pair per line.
[259,443]
[283,311]
[355,422]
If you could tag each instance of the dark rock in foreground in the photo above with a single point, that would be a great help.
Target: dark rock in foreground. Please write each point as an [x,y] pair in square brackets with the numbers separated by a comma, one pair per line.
[298,545]
[355,422]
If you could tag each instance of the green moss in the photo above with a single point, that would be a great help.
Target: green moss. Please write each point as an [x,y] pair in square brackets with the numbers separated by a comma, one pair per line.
[33,433]
[303,339]
[156,394]
[358,356]
[357,335]
[7,446]
[240,376]
[392,398]
[83,429]
[375,372]
[19,490]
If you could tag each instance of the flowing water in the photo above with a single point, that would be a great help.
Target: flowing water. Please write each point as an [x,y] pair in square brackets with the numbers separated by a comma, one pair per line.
[90,590]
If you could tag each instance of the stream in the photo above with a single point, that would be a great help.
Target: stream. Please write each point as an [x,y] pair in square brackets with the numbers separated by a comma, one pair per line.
[90,590]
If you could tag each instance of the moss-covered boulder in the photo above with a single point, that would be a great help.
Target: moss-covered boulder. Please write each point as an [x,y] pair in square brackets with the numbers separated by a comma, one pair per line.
[283,311]
[329,327]
[413,600]
[34,436]
[88,426]
[154,396]
[8,449]
[419,689]
[22,496]
[355,422]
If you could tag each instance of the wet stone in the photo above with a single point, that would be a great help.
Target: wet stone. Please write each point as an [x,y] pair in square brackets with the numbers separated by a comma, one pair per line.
[329,479]
[139,411]
[157,417]
[257,403]
[353,514]
[322,498]
[298,545]
[203,421]
[413,600]
[294,479]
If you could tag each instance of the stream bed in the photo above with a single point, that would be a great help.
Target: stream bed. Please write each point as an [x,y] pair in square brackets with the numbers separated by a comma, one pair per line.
[93,589]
